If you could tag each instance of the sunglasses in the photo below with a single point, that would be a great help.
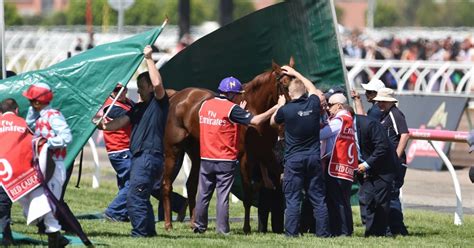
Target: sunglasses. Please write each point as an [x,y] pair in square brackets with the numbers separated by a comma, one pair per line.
[331,104]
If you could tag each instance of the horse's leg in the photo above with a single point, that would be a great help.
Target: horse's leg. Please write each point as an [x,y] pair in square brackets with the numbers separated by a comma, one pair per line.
[193,179]
[245,168]
[171,153]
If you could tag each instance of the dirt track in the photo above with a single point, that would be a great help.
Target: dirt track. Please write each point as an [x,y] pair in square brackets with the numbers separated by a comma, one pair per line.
[435,190]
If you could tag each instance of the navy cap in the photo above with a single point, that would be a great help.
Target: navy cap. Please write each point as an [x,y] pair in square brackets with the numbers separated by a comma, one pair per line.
[334,90]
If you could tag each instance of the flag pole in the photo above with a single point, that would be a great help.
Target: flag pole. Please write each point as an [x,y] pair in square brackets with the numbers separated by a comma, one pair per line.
[111,105]
[165,22]
[2,40]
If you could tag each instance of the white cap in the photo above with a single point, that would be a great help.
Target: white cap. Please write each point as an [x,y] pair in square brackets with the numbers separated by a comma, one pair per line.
[385,95]
[337,98]
[374,85]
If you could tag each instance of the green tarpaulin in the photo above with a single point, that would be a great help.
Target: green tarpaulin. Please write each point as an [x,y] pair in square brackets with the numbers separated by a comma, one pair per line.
[82,83]
[304,29]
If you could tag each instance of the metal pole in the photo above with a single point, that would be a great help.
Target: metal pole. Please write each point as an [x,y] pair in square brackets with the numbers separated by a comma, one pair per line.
[113,103]
[370,13]
[339,46]
[120,18]
[3,74]
[457,188]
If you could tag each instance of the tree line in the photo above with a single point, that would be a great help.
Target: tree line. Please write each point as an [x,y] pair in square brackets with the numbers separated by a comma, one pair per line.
[143,12]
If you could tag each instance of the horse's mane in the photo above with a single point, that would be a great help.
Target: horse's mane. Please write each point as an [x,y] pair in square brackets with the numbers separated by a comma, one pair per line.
[258,81]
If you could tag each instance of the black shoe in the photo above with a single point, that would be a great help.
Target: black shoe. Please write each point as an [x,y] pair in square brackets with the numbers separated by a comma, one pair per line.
[200,231]
[56,240]
[41,227]
[7,236]
[6,241]
[113,219]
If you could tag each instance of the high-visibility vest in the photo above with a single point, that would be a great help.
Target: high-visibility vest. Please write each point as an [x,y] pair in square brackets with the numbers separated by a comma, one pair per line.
[344,160]
[118,140]
[218,134]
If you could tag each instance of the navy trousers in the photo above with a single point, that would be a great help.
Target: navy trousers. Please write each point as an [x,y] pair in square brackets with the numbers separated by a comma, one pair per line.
[339,206]
[305,173]
[307,223]
[147,168]
[121,162]
[397,226]
[5,210]
[374,201]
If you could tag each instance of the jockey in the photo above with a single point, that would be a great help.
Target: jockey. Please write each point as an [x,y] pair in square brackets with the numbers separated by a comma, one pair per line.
[48,124]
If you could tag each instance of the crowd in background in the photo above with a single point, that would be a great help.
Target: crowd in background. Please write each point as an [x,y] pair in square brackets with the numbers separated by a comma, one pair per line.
[358,46]
[447,49]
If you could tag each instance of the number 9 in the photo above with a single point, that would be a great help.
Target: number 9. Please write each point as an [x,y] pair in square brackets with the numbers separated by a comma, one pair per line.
[350,154]
[6,171]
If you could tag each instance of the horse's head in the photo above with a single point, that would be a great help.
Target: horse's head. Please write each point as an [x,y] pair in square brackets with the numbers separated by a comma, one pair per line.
[262,92]
[282,80]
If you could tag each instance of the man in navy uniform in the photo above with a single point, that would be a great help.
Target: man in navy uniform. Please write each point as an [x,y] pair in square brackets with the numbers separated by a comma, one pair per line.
[148,119]
[302,170]
[377,165]
[219,140]
[393,120]
[371,90]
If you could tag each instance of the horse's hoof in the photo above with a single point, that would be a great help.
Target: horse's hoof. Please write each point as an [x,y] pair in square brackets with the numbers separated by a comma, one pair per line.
[247,229]
[168,227]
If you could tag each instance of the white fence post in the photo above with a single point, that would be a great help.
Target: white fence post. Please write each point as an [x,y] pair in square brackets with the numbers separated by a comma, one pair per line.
[458,214]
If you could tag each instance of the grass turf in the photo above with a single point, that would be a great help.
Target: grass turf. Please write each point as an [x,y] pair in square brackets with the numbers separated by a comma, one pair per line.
[426,228]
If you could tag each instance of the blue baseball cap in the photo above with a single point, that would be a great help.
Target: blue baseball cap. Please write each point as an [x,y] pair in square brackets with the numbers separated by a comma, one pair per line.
[230,84]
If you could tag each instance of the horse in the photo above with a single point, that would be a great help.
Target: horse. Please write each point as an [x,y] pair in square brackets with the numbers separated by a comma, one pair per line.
[255,142]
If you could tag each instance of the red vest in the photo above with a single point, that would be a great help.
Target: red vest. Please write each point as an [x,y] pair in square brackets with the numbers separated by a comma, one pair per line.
[118,140]
[344,152]
[218,134]
[16,151]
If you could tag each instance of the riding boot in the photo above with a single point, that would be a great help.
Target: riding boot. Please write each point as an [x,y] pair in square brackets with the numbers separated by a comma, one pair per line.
[56,240]
[41,227]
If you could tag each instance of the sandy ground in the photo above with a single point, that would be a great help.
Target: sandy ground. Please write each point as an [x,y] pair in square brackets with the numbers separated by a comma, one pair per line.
[422,190]
[435,190]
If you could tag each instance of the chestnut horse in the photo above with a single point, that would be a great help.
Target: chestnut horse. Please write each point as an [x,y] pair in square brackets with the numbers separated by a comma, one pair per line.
[256,142]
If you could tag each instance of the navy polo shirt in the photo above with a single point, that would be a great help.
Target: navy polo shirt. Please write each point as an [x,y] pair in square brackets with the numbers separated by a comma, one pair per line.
[395,124]
[238,114]
[148,120]
[301,119]
[375,112]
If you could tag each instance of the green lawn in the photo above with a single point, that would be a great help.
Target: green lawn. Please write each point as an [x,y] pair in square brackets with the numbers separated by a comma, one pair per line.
[427,228]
